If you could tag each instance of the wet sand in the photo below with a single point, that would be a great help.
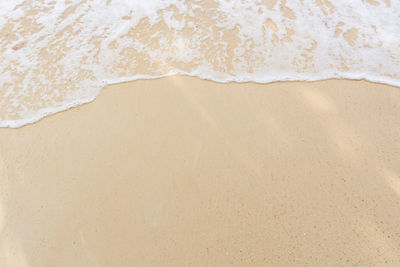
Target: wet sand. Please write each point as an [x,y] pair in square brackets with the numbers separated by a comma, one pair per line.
[185,172]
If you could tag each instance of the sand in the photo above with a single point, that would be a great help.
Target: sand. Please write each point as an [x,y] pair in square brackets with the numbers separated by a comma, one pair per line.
[185,172]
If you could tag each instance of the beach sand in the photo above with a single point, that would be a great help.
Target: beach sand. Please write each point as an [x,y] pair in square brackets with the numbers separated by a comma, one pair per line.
[180,171]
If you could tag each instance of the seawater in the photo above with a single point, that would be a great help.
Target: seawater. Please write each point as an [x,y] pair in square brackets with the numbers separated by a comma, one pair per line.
[58,54]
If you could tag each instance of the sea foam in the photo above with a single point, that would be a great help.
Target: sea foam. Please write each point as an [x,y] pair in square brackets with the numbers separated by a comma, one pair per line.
[58,54]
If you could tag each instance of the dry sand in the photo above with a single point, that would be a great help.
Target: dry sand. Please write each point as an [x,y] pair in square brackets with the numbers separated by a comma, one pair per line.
[186,172]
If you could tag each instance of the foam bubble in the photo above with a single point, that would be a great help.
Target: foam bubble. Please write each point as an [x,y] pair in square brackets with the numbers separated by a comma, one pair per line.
[59,54]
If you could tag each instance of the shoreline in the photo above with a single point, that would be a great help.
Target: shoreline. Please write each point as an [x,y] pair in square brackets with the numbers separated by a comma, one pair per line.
[15,124]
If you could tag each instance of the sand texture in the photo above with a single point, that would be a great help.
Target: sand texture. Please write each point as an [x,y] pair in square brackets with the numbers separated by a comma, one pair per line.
[186,172]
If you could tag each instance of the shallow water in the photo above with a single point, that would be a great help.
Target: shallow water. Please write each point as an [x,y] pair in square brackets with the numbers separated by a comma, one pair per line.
[59,54]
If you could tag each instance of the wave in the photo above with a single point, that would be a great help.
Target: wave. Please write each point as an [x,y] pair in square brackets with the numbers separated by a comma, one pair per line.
[58,54]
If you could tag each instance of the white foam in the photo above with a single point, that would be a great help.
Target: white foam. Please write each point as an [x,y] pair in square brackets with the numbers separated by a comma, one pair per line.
[60,54]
